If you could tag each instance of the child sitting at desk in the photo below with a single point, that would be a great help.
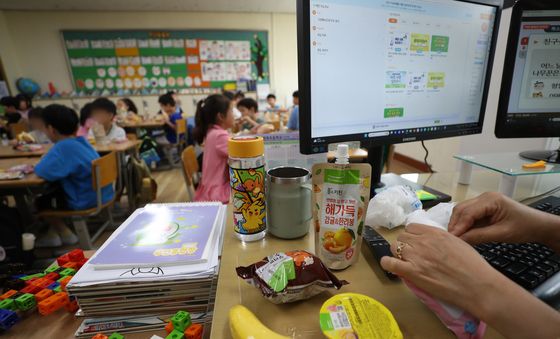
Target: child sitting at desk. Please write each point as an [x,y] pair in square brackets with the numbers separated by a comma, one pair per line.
[170,115]
[103,111]
[214,115]
[272,105]
[37,134]
[85,120]
[69,164]
[249,120]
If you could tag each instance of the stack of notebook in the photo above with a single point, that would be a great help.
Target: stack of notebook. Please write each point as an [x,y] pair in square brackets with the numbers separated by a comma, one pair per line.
[162,259]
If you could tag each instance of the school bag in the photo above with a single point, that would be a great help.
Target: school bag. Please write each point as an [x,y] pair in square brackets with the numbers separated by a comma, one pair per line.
[143,184]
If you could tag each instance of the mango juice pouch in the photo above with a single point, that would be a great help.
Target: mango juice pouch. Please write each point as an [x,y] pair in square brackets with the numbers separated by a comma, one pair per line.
[340,200]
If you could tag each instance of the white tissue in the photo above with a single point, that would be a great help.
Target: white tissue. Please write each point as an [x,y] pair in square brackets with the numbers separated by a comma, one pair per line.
[438,216]
[391,207]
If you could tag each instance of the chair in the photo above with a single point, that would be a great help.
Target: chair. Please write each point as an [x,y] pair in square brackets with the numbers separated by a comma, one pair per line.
[17,128]
[191,170]
[104,172]
[181,131]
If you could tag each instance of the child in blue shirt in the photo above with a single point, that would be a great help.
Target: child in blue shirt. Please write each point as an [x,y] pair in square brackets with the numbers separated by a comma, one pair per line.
[68,163]
[170,115]
[293,122]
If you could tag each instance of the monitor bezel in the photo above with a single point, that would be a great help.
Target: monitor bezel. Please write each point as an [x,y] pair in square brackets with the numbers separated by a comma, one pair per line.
[503,129]
[307,146]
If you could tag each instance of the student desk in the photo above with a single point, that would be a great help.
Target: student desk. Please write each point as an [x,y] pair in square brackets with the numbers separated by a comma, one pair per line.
[148,124]
[414,319]
[8,152]
[21,188]
[355,154]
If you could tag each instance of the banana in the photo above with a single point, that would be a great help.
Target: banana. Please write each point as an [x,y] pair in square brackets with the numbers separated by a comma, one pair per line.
[243,324]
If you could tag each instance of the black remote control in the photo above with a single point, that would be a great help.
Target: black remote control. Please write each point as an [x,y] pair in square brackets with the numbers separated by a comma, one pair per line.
[379,247]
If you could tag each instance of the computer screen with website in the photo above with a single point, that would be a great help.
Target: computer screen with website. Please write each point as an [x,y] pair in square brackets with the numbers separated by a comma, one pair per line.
[396,70]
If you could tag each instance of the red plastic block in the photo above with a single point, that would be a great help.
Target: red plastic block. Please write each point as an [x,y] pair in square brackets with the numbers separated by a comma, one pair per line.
[169,327]
[53,303]
[72,306]
[31,289]
[52,276]
[7,294]
[63,259]
[194,332]
[76,255]
[73,265]
[100,336]
[44,294]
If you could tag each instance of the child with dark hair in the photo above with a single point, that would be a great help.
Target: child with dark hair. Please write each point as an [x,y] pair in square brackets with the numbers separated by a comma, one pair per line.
[68,163]
[249,120]
[271,101]
[170,115]
[103,111]
[11,113]
[24,105]
[293,122]
[126,106]
[37,125]
[85,120]
[213,117]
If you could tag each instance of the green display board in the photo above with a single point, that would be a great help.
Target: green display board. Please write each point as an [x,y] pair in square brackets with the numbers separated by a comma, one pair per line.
[143,62]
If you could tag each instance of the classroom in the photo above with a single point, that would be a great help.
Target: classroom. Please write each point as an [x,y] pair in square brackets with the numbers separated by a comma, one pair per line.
[375,169]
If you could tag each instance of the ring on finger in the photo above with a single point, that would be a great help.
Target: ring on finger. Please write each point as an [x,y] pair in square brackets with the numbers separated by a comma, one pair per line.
[400,247]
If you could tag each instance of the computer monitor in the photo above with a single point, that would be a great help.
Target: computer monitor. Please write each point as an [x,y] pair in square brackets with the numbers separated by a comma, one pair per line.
[529,105]
[393,71]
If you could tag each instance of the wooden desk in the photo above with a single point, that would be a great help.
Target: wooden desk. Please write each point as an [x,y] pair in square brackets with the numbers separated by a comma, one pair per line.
[117,146]
[8,152]
[30,180]
[356,155]
[414,319]
[148,124]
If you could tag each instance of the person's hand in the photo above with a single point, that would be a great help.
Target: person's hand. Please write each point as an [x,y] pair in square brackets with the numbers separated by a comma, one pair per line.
[495,217]
[442,265]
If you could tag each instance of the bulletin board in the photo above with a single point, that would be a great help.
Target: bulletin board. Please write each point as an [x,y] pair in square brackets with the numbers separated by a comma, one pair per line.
[144,62]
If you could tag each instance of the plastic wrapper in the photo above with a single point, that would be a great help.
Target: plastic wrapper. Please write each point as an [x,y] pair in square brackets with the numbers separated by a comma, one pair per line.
[461,323]
[290,276]
[390,207]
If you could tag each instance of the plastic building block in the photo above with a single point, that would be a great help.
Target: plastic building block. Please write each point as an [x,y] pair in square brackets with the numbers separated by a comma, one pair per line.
[58,289]
[8,294]
[26,302]
[64,281]
[53,303]
[72,306]
[175,335]
[31,281]
[82,262]
[68,271]
[52,276]
[76,255]
[169,327]
[31,289]
[8,304]
[53,285]
[42,282]
[63,259]
[100,336]
[116,335]
[51,269]
[73,265]
[32,276]
[44,294]
[181,320]
[194,331]
[7,319]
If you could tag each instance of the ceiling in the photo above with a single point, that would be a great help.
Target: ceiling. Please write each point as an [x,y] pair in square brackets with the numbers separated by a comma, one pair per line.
[266,6]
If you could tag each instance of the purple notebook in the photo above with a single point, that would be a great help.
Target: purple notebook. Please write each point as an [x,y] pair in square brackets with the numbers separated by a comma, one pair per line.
[162,235]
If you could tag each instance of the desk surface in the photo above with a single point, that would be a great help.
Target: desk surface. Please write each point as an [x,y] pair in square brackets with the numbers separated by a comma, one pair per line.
[354,153]
[414,319]
[29,180]
[117,146]
[148,124]
[8,152]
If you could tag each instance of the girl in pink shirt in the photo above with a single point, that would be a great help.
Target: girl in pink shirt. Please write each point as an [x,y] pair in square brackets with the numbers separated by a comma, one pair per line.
[214,115]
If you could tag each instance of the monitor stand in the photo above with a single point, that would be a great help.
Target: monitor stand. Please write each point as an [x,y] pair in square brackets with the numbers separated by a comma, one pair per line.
[376,159]
[548,156]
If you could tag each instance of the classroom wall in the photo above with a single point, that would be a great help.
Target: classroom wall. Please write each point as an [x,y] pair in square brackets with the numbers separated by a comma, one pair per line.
[31,45]
[442,150]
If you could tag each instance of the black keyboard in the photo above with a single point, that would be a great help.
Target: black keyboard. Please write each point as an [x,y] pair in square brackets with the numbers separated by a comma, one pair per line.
[533,266]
